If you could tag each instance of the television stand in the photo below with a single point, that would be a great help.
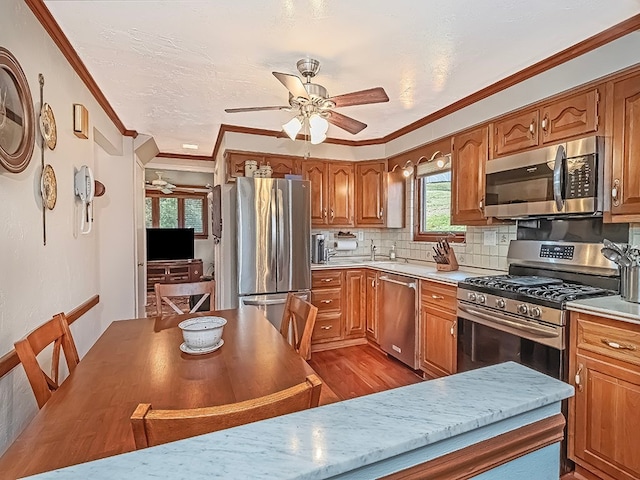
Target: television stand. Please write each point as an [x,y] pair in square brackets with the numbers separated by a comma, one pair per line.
[173,271]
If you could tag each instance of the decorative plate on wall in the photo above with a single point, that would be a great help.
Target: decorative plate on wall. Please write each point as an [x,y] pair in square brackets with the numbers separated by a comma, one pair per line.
[48,126]
[49,187]
[17,129]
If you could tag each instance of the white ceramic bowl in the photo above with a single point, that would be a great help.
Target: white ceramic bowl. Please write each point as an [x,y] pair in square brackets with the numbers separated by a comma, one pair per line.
[202,332]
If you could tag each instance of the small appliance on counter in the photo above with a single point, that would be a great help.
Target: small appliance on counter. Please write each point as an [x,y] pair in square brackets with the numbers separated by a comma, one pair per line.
[317,248]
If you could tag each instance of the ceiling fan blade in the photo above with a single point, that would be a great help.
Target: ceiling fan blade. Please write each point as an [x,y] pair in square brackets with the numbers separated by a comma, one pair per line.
[363,97]
[293,84]
[254,109]
[349,124]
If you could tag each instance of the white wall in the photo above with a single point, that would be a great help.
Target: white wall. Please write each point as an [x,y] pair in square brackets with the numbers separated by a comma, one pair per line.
[38,281]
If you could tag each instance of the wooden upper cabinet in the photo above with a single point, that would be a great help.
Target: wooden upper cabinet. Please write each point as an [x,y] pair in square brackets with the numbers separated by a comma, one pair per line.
[516,133]
[469,157]
[282,166]
[570,117]
[370,193]
[624,95]
[316,173]
[341,194]
[235,163]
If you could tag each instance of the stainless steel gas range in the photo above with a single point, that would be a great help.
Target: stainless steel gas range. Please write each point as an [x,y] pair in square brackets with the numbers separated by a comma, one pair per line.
[522,316]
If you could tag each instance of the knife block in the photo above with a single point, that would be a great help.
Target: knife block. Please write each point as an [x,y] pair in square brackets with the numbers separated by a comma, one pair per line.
[451,266]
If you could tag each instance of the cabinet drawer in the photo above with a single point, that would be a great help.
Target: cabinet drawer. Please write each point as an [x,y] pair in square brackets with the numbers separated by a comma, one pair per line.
[438,295]
[615,342]
[327,299]
[327,327]
[326,278]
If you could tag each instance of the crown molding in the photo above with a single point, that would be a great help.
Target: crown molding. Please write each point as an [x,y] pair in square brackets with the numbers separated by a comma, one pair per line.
[186,156]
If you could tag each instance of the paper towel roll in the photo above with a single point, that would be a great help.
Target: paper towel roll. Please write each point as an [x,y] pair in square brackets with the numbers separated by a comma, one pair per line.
[346,244]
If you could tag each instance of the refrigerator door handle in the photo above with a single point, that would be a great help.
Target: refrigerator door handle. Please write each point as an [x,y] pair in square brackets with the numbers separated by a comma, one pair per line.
[281,220]
[274,233]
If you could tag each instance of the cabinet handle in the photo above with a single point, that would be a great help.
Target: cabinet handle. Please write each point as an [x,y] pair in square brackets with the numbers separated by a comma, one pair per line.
[453,328]
[328,327]
[618,346]
[333,214]
[545,123]
[373,284]
[578,379]
[532,127]
[481,204]
[324,212]
[615,192]
[325,301]
[380,213]
[437,297]
[326,279]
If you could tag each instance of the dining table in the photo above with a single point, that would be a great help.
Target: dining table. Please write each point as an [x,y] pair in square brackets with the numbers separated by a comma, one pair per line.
[140,361]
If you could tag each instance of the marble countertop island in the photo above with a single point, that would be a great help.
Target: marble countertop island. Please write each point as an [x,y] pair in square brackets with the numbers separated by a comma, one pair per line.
[365,437]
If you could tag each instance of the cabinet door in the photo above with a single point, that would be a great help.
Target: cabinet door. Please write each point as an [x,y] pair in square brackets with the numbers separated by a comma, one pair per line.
[355,298]
[316,173]
[371,286]
[515,133]
[235,163]
[607,416]
[341,194]
[370,193]
[625,177]
[438,337]
[573,116]
[470,152]
[282,166]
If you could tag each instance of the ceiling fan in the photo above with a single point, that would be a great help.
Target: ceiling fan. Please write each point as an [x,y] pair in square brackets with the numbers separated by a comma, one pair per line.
[314,107]
[161,184]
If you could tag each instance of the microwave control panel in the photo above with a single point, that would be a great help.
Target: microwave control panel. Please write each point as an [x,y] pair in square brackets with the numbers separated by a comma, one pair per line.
[564,252]
[581,177]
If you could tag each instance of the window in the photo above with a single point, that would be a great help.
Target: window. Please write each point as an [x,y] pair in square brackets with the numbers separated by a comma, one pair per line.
[177,210]
[433,208]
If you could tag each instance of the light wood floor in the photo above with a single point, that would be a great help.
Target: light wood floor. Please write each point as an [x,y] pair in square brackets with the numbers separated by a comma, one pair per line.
[355,371]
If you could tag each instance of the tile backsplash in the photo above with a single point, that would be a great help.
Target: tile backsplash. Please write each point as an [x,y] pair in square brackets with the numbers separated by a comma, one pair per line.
[472,253]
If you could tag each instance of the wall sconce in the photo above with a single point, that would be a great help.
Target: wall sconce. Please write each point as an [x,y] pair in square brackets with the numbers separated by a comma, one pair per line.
[442,160]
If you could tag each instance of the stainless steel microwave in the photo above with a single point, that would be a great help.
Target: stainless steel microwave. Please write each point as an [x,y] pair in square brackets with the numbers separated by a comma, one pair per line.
[564,179]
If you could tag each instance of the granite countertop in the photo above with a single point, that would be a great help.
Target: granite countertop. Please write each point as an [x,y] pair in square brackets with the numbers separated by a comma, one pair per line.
[612,307]
[423,271]
[340,437]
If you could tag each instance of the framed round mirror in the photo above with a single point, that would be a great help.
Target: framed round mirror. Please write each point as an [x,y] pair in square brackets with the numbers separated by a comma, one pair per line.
[17,129]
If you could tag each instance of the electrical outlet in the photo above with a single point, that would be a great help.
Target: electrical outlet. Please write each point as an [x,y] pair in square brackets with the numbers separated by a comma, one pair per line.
[361,236]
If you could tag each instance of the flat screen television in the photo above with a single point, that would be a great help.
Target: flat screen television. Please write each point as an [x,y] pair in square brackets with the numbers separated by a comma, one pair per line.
[170,243]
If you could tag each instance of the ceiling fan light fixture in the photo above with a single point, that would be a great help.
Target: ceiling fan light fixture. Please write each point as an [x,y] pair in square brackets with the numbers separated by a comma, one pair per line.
[292,127]
[318,124]
[317,138]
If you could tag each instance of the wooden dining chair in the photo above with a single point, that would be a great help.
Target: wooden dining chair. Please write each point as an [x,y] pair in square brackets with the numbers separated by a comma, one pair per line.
[154,427]
[166,291]
[54,331]
[299,316]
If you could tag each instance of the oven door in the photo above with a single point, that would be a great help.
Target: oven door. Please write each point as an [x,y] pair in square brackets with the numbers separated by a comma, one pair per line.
[486,338]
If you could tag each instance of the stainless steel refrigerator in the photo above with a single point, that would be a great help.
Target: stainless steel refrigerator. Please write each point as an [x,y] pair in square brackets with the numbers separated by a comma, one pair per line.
[273,228]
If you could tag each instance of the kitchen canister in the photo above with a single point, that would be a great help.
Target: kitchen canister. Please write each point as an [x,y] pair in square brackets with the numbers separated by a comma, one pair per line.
[250,166]
[266,171]
[630,284]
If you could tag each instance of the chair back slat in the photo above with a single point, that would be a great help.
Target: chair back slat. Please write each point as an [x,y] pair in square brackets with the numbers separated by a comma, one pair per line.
[54,331]
[166,291]
[153,427]
[298,316]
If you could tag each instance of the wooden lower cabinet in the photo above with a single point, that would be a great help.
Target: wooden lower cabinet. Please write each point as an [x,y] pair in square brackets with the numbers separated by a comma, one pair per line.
[371,289]
[604,414]
[438,329]
[340,298]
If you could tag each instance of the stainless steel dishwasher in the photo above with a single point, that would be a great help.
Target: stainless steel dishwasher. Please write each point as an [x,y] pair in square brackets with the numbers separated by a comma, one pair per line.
[399,318]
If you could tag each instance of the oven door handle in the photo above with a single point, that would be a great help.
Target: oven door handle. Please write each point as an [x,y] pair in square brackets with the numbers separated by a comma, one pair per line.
[543,332]
[557,177]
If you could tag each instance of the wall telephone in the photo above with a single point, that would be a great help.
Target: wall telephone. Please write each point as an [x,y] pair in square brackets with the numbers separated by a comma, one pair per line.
[84,186]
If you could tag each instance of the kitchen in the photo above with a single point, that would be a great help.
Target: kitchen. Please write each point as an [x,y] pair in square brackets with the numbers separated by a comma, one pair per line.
[608,59]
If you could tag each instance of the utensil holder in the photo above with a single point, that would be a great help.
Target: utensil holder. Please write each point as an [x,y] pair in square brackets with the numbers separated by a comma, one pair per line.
[451,266]
[630,284]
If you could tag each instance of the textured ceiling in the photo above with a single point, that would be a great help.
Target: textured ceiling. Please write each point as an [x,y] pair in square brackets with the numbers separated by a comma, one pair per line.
[170,68]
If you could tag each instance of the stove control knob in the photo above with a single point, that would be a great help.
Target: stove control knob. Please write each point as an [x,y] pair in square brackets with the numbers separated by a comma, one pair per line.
[481,298]
[500,303]
[535,311]
[522,308]
[471,297]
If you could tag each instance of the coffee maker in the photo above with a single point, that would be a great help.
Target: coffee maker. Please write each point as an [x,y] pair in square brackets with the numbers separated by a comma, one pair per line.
[317,248]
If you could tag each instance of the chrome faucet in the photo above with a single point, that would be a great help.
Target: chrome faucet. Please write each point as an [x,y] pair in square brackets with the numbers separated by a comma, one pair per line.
[328,253]
[373,251]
